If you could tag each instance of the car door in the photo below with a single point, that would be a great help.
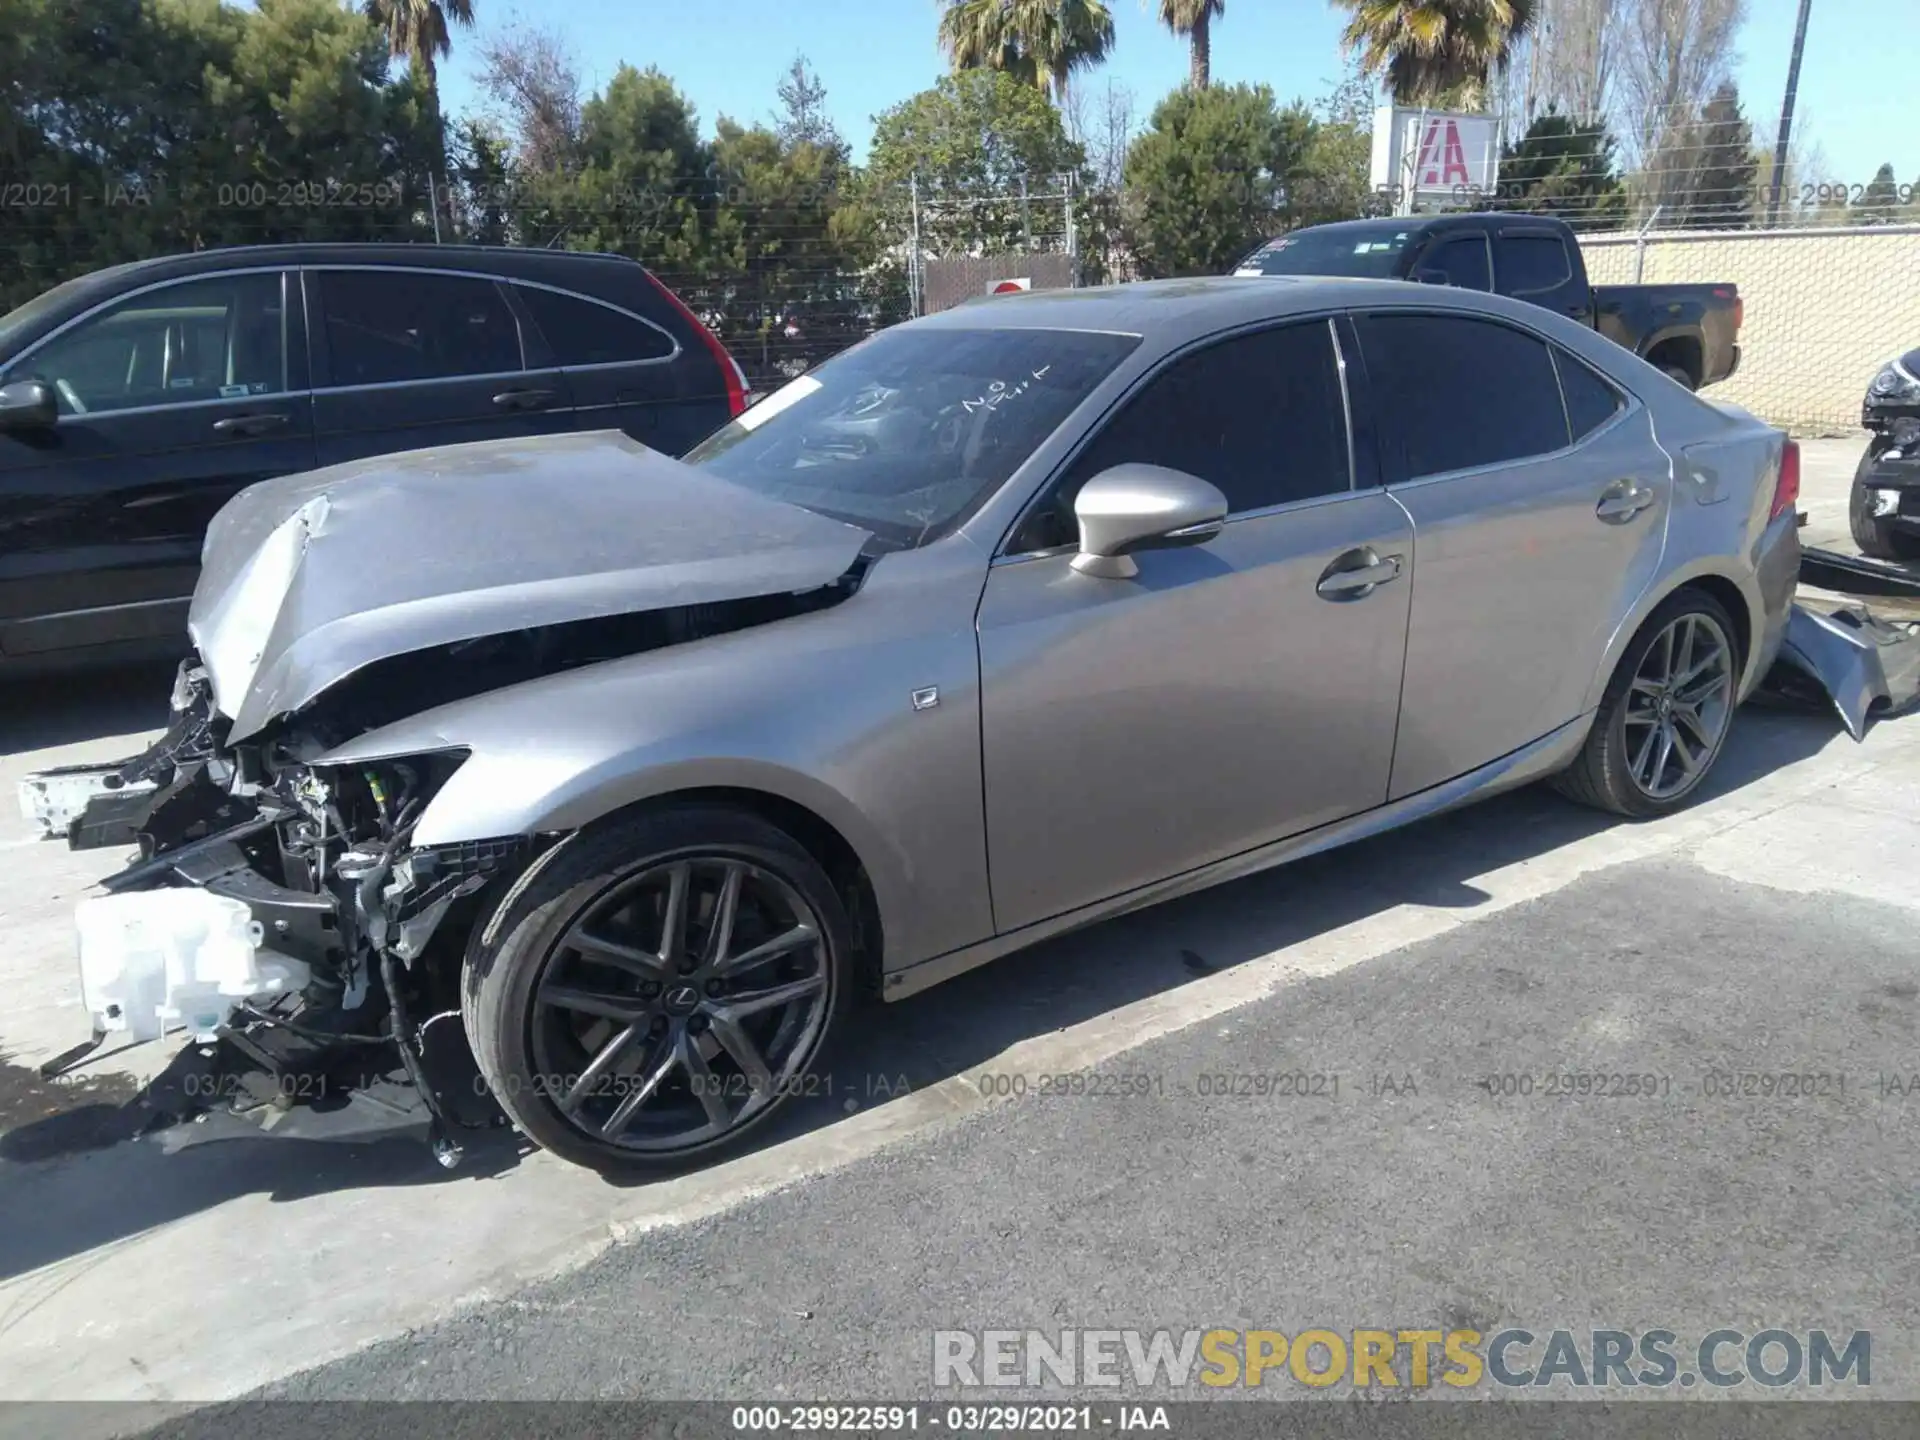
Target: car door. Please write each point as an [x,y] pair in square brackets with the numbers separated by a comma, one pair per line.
[1535,265]
[172,399]
[1529,542]
[406,358]
[621,368]
[1229,695]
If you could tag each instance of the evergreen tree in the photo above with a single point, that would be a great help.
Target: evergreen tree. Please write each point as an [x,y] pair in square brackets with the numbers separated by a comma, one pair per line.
[1879,203]
[1718,152]
[1564,167]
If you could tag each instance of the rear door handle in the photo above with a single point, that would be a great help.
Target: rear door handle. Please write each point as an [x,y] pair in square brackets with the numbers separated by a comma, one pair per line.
[524,399]
[249,424]
[1356,573]
[1623,500]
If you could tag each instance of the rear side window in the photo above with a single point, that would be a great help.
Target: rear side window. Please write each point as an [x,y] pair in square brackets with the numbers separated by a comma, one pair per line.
[1461,262]
[583,332]
[1528,264]
[1591,402]
[385,326]
[1260,416]
[1453,392]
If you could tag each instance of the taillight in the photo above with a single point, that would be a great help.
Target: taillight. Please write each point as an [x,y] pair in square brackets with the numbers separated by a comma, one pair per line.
[1786,490]
[1726,292]
[731,374]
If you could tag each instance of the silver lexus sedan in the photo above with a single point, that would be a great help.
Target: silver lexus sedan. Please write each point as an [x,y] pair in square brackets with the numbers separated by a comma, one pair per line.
[1004,621]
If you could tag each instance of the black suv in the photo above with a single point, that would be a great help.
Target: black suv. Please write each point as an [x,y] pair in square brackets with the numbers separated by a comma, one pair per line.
[134,402]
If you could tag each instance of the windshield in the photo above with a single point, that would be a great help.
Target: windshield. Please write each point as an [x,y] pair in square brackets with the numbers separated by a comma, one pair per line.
[1370,253]
[908,433]
[19,320]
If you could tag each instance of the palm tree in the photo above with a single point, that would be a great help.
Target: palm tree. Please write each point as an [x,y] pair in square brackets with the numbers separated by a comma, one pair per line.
[1039,42]
[1194,19]
[1431,50]
[417,32]
[418,29]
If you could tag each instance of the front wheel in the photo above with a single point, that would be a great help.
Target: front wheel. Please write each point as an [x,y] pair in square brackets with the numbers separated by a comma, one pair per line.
[661,989]
[1877,535]
[1665,714]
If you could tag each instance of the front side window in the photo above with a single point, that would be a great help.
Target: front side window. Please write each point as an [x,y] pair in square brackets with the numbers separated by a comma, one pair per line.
[908,433]
[1453,393]
[1259,416]
[387,326]
[1461,262]
[1529,264]
[218,338]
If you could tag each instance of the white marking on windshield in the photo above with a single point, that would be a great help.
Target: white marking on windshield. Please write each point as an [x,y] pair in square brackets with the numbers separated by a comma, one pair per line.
[789,394]
[999,391]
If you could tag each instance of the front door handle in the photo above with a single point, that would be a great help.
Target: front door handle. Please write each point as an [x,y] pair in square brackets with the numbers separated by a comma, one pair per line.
[524,399]
[1623,500]
[249,424]
[1357,573]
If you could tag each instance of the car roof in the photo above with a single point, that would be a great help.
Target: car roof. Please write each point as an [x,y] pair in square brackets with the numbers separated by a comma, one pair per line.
[1174,310]
[1171,314]
[518,259]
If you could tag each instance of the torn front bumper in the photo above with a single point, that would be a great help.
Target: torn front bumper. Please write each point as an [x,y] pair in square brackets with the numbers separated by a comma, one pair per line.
[1865,665]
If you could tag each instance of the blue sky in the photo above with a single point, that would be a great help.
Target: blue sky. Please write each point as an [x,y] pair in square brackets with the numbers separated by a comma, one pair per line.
[873,53]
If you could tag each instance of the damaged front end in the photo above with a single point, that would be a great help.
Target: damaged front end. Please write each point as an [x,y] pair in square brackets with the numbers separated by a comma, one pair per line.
[277,908]
[278,913]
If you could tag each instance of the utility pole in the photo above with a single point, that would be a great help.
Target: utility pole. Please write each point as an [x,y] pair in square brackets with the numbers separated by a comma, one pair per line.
[1786,117]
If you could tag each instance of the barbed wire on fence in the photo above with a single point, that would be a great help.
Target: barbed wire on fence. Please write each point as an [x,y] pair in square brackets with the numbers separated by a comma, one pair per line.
[789,274]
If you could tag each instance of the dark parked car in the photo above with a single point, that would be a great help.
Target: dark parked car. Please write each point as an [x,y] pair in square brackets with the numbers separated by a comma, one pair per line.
[1690,331]
[136,401]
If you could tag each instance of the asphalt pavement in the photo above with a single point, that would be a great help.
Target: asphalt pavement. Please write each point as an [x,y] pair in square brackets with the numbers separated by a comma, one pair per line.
[1406,1189]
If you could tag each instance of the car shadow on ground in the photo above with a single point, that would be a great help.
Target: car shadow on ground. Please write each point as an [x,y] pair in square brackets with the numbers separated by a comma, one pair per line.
[54,1209]
[58,709]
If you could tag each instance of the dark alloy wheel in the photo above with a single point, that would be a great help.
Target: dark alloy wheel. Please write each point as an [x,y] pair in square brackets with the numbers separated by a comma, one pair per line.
[1665,715]
[1880,537]
[660,989]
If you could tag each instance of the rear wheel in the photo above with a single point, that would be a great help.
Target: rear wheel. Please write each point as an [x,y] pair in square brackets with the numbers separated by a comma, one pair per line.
[661,989]
[1665,714]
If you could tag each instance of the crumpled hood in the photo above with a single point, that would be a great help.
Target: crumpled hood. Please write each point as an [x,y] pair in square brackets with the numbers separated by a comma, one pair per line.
[308,578]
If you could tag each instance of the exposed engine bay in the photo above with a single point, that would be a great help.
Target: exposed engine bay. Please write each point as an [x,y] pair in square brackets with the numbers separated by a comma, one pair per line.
[347,979]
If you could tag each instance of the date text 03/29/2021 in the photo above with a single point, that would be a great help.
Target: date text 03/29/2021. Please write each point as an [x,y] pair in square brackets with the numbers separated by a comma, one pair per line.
[959,1419]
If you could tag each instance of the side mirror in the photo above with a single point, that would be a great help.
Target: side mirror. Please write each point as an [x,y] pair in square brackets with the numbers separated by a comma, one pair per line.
[28,405]
[1142,507]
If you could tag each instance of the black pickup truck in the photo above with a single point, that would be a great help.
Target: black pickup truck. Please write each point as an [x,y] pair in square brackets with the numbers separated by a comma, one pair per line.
[1690,331]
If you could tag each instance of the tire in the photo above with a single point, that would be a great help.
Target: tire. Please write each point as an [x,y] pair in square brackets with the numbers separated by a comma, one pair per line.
[1679,376]
[1611,770]
[589,927]
[1876,536]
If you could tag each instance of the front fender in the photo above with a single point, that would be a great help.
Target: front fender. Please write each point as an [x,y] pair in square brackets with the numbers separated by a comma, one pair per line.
[817,711]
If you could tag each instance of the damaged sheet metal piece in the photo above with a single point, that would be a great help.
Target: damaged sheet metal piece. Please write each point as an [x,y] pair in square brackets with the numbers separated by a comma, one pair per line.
[1865,665]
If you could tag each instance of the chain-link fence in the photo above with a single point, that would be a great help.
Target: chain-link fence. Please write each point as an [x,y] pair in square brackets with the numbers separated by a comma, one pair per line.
[791,278]
[1823,308]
